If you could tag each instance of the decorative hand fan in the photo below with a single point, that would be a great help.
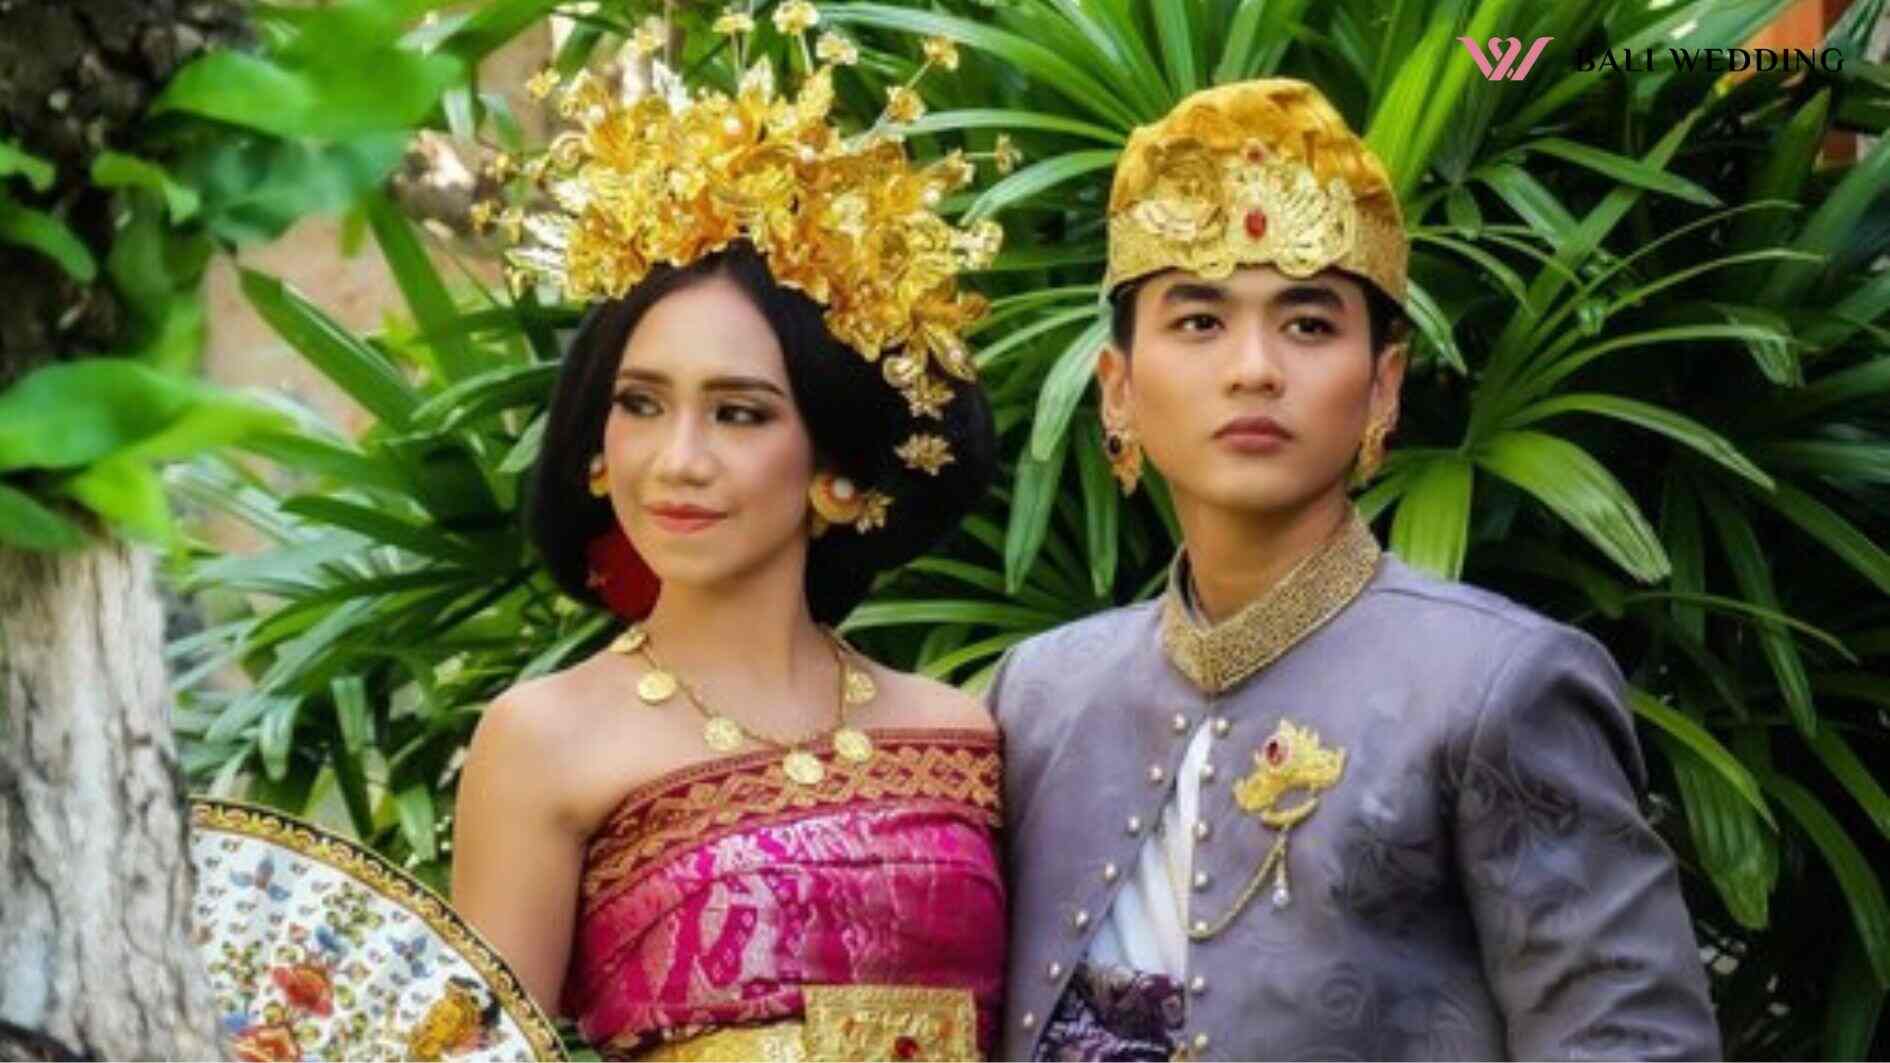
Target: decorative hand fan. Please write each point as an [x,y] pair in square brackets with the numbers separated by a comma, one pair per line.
[318,949]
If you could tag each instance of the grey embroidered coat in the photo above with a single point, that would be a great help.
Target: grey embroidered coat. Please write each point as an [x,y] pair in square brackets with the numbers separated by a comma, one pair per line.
[1478,883]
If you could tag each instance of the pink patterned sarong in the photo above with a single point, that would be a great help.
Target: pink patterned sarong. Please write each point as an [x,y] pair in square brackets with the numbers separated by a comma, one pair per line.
[713,895]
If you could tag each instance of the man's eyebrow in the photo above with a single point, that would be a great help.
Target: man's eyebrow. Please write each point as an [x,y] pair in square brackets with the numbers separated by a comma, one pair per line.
[1308,295]
[1187,292]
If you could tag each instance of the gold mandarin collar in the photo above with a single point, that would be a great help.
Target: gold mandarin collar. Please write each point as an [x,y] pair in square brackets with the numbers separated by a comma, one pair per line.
[1215,657]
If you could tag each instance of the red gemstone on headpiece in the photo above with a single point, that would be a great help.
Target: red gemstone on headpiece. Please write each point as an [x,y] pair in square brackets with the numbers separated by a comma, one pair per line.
[1255,153]
[906,1047]
[1256,223]
[1274,751]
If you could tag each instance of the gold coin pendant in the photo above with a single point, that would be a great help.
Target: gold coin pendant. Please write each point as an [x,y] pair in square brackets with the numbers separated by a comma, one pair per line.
[722,734]
[630,641]
[656,687]
[860,687]
[852,744]
[803,767]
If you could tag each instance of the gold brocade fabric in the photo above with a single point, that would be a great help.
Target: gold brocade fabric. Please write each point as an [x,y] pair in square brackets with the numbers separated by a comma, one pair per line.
[1256,173]
[847,1022]
[1215,657]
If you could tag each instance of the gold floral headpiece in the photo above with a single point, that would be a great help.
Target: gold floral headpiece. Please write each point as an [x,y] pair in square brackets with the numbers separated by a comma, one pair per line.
[668,176]
[1256,173]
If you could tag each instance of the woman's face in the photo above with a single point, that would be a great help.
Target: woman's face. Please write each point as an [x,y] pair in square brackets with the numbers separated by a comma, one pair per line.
[708,459]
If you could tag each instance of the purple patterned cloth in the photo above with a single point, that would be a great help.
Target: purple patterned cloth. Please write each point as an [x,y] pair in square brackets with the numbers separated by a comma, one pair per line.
[1113,1012]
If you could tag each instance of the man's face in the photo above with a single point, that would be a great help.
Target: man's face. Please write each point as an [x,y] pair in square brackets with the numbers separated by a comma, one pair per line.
[1250,393]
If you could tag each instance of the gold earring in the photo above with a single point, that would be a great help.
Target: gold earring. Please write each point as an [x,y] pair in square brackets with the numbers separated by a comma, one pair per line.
[1371,451]
[1125,457]
[600,478]
[838,500]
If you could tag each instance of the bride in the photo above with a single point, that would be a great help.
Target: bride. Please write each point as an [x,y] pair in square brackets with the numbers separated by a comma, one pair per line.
[729,835]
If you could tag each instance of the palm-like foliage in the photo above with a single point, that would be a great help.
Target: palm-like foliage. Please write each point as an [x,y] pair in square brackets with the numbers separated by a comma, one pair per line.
[1646,396]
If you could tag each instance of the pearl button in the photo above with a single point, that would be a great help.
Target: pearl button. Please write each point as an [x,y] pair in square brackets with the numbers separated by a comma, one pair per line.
[1180,723]
[1054,971]
[1221,726]
[1201,880]
[1200,926]
[1110,871]
[1029,1021]
[1134,826]
[1198,986]
[1200,1042]
[1202,830]
[1080,919]
[1156,774]
[1207,773]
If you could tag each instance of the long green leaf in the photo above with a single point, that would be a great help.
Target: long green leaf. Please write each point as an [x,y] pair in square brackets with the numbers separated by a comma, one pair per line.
[1000,118]
[25,524]
[1064,387]
[1623,169]
[1432,528]
[1582,492]
[1039,177]
[1038,482]
[354,366]
[1753,573]
[420,283]
[1684,730]
[1675,426]
[1862,888]
[49,236]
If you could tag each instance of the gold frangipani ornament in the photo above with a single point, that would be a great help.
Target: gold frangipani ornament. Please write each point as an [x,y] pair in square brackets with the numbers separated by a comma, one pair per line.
[671,175]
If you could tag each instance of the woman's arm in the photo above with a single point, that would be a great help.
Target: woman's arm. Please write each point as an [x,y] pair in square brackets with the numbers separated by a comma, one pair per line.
[517,853]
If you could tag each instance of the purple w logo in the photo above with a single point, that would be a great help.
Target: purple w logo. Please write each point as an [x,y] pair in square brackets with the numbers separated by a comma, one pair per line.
[1505,50]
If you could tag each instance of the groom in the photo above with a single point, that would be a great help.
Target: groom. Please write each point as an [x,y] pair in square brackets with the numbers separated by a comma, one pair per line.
[1311,803]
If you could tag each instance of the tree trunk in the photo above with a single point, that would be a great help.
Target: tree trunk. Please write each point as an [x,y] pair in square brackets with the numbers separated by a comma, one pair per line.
[95,878]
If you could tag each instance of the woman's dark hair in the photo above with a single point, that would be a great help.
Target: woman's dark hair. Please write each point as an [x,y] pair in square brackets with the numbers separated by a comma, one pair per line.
[853,416]
[1388,321]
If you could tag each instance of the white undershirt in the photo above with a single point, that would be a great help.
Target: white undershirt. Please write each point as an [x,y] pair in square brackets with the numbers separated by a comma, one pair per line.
[1146,928]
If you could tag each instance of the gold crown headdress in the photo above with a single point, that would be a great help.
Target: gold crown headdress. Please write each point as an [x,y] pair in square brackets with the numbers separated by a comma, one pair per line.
[1261,172]
[668,177]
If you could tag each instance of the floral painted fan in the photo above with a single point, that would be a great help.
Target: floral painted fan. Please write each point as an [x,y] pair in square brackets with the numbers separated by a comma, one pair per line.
[318,949]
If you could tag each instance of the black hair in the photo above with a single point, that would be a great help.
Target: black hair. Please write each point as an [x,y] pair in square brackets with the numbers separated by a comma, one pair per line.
[1388,321]
[853,416]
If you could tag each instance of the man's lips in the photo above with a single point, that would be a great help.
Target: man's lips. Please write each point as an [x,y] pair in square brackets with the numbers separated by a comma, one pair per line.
[1253,429]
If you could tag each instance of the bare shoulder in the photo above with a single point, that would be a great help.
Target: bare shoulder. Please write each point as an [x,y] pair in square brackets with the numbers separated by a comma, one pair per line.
[908,700]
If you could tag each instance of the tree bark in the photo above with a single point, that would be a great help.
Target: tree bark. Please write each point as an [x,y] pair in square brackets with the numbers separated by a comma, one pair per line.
[95,883]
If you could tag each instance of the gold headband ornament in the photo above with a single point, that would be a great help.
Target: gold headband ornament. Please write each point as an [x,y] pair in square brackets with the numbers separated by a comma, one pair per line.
[668,176]
[1260,172]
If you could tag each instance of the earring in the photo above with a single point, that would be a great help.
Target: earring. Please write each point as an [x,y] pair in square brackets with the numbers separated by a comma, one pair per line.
[600,479]
[1125,457]
[1371,451]
[837,500]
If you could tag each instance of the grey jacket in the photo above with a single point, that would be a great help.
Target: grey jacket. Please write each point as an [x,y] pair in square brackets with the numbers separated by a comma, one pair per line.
[1480,883]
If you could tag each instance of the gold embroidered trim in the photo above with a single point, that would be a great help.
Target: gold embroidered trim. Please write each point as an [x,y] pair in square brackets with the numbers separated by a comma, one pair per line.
[390,882]
[846,1022]
[1216,657]
[697,804]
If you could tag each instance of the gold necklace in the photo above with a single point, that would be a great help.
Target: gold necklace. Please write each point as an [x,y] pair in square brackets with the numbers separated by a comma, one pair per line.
[725,734]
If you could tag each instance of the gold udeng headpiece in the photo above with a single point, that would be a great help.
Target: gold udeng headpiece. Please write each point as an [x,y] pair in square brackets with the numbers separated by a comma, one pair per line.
[1256,173]
[668,177]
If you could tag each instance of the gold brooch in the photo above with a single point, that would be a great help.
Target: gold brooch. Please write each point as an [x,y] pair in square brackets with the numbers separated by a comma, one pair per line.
[1292,761]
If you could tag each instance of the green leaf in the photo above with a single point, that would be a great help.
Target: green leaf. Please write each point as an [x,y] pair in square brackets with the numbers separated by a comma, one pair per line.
[1754,575]
[1027,56]
[997,118]
[1675,426]
[1174,29]
[1623,169]
[1853,1005]
[38,172]
[1849,770]
[494,389]
[25,524]
[353,365]
[1862,889]
[275,735]
[1064,387]
[46,234]
[1830,528]
[385,530]
[1739,856]
[1101,508]
[70,414]
[128,495]
[948,611]
[350,92]
[351,712]
[1039,177]
[1432,527]
[113,169]
[414,805]
[1831,226]
[1697,740]
[420,283]
[1038,480]
[1582,492]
